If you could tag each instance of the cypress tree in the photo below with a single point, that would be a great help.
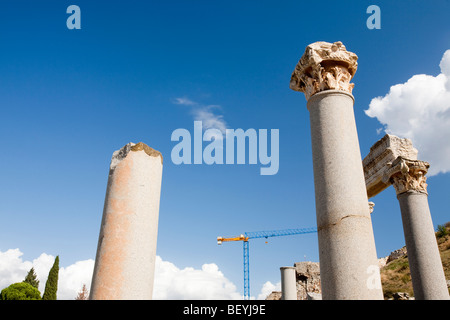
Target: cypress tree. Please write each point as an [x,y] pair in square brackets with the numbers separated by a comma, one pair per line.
[51,286]
[31,278]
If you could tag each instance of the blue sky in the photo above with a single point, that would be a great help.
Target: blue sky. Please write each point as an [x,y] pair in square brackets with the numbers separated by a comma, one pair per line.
[69,98]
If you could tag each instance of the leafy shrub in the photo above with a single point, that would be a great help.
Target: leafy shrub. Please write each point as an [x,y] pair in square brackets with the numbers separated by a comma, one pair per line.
[442,231]
[20,291]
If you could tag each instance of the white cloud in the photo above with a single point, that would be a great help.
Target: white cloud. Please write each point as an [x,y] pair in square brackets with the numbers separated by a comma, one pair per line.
[210,120]
[171,282]
[207,283]
[419,109]
[209,115]
[184,101]
[12,268]
[267,289]
[70,279]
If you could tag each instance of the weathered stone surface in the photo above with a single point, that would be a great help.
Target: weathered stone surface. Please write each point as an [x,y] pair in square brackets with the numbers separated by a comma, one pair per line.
[346,242]
[401,296]
[381,156]
[394,161]
[408,175]
[382,262]
[307,275]
[122,153]
[126,250]
[427,273]
[307,269]
[324,66]
[397,254]
[288,283]
[149,151]
[274,295]
[313,296]
[308,279]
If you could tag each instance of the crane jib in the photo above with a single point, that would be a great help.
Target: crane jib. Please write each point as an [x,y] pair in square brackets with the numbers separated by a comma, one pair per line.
[259,234]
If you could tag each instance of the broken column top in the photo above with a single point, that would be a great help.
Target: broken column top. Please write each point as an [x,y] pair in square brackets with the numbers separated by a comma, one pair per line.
[380,158]
[324,66]
[121,154]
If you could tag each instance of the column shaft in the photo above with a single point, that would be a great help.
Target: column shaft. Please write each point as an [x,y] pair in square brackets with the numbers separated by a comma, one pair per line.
[348,260]
[427,275]
[126,252]
[425,263]
[288,283]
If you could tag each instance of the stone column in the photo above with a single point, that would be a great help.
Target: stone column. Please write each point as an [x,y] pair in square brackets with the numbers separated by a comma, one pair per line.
[427,273]
[348,260]
[288,283]
[125,261]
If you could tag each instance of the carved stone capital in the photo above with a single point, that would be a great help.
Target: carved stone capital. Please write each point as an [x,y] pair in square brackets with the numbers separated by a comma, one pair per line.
[371,205]
[380,158]
[324,66]
[408,175]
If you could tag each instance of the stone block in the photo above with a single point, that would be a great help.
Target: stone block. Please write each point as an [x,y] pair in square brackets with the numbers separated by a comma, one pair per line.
[380,158]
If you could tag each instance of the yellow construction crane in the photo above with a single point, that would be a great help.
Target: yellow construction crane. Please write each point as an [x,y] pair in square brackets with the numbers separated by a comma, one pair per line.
[240,238]
[259,234]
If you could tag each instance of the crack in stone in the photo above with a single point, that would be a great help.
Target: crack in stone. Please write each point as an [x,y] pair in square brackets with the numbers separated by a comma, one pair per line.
[337,222]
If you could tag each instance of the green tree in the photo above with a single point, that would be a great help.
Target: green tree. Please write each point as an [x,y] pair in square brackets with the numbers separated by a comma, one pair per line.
[442,231]
[20,291]
[32,279]
[51,286]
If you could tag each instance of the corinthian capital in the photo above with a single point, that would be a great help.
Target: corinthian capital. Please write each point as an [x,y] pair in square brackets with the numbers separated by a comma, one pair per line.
[324,66]
[408,175]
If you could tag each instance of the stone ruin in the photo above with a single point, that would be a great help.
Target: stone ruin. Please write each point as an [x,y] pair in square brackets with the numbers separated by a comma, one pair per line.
[308,279]
[393,161]
[343,184]
[126,250]
[344,227]
[307,276]
[382,154]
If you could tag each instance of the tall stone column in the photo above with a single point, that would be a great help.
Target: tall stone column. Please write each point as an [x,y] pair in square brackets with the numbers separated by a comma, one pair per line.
[427,273]
[126,252]
[288,283]
[348,261]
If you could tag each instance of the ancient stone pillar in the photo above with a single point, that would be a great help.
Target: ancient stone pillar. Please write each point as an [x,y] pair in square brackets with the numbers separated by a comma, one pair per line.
[348,260]
[427,274]
[380,158]
[126,251]
[288,283]
[393,160]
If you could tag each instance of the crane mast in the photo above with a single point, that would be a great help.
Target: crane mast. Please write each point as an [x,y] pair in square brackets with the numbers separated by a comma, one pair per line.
[254,235]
